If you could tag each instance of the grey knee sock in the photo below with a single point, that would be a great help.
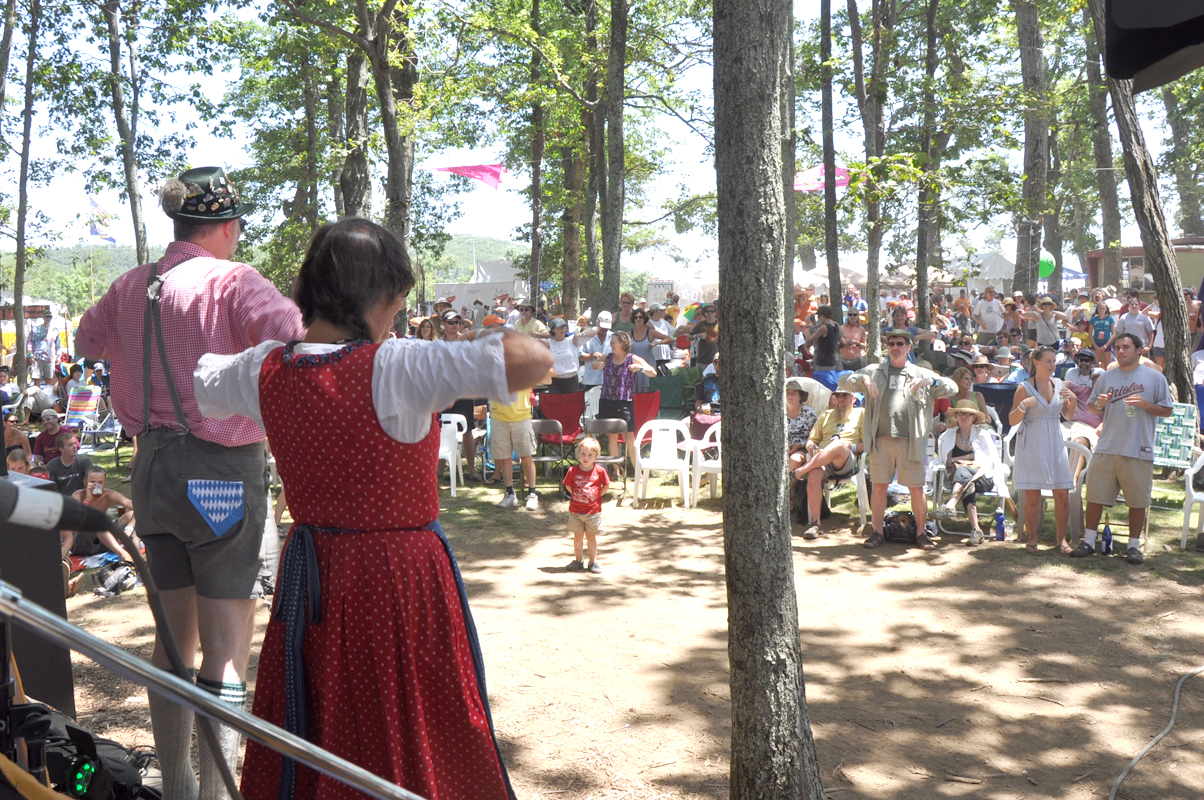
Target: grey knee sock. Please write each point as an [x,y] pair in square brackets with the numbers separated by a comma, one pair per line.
[212,787]
[172,727]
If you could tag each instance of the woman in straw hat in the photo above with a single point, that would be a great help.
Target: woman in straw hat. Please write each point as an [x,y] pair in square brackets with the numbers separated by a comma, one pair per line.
[969,452]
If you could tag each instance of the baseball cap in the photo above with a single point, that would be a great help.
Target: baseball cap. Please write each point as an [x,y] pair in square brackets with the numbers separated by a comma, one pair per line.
[603,319]
[449,316]
[655,307]
[557,322]
[492,319]
[1084,355]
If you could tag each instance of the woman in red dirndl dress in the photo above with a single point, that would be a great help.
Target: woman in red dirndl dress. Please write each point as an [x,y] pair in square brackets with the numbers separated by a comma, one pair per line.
[371,652]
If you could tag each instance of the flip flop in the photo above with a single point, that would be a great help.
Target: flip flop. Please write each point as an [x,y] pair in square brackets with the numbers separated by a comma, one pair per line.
[1065,549]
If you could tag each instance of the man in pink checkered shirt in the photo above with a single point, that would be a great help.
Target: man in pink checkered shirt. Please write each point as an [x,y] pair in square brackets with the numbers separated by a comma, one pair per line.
[197,483]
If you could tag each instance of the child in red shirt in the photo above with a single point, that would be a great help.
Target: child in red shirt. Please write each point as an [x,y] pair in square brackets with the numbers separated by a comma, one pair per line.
[586,482]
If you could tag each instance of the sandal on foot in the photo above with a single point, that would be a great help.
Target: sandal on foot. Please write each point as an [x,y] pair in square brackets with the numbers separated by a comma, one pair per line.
[1032,547]
[1065,548]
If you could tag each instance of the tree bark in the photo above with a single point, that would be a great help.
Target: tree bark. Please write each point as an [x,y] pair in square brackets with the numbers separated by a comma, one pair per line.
[354,180]
[1105,170]
[394,83]
[19,358]
[126,132]
[1190,221]
[772,748]
[1036,145]
[537,148]
[831,239]
[926,211]
[570,265]
[614,193]
[1147,209]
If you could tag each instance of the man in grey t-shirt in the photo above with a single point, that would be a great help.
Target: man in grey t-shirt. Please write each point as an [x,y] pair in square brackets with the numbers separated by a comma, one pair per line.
[1130,398]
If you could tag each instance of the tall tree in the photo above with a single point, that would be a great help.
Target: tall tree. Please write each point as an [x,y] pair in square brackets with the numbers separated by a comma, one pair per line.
[831,238]
[126,115]
[1105,170]
[1147,209]
[1036,144]
[537,148]
[772,749]
[612,192]
[31,60]
[1186,169]
[6,45]
[355,182]
[926,216]
[872,96]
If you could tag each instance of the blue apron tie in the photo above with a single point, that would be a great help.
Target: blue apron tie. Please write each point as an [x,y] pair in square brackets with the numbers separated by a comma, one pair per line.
[298,586]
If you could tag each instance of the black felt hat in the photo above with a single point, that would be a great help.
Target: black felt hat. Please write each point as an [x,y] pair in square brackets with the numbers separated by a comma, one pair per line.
[210,196]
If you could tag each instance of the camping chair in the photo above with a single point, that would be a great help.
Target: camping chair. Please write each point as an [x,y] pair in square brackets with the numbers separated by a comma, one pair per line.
[647,404]
[452,426]
[550,446]
[599,427]
[860,480]
[108,428]
[82,404]
[1190,500]
[706,457]
[941,476]
[672,393]
[669,452]
[567,409]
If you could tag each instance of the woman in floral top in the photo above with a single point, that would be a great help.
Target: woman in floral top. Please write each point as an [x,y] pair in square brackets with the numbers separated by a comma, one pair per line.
[800,419]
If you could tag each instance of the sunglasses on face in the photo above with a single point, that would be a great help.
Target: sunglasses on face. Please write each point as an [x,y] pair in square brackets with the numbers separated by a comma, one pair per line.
[896,344]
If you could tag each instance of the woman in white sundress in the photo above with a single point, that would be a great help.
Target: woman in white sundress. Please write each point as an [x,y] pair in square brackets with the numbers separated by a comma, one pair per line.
[1041,462]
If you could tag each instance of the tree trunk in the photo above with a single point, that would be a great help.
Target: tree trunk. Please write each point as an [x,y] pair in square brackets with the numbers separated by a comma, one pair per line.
[1147,209]
[1105,171]
[594,140]
[334,130]
[397,147]
[1190,221]
[807,259]
[614,193]
[772,748]
[19,358]
[831,240]
[537,148]
[310,94]
[1036,145]
[926,211]
[354,180]
[570,265]
[125,131]
[1053,220]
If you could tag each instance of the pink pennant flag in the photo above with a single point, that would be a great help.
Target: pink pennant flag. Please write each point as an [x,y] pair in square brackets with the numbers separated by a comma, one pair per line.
[489,174]
[812,180]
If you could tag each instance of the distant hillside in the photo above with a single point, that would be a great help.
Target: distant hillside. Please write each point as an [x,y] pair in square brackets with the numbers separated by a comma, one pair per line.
[63,275]
[460,249]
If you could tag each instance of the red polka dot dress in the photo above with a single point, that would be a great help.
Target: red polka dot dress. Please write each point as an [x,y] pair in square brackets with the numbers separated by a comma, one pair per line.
[377,660]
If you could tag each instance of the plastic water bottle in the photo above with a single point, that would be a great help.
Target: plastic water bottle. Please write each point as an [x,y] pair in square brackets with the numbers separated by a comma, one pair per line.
[1000,535]
[1107,539]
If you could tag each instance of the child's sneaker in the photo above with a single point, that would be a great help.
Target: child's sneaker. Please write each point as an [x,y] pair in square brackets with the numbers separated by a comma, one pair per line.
[594,568]
[532,502]
[575,566]
[509,500]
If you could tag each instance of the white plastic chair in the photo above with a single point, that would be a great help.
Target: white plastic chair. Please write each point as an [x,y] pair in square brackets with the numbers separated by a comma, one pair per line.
[668,453]
[858,478]
[1191,498]
[452,426]
[700,463]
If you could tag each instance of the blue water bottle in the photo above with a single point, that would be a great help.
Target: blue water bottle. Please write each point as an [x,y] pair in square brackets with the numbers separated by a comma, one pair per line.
[1107,546]
[999,532]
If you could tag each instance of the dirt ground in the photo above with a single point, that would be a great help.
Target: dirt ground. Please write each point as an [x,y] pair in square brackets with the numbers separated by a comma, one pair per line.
[985,673]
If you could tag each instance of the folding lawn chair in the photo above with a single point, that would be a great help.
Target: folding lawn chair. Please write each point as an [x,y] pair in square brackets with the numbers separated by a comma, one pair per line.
[600,427]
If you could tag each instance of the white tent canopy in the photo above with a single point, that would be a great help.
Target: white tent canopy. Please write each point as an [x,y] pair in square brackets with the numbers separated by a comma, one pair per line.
[490,281]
